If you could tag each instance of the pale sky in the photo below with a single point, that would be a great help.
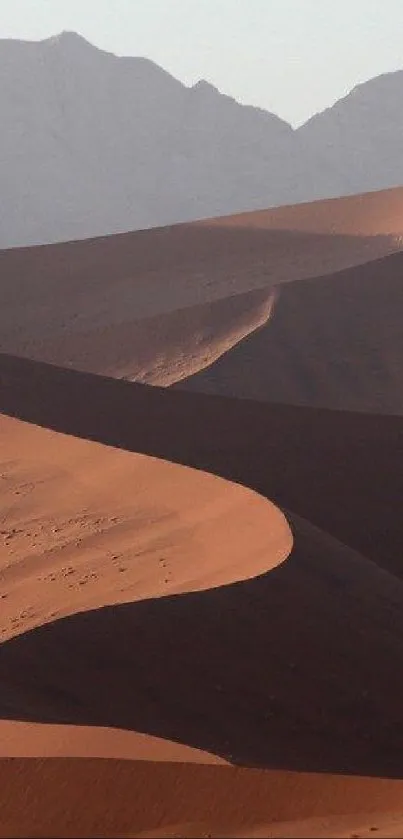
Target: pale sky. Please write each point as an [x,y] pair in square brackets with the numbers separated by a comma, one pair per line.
[292,57]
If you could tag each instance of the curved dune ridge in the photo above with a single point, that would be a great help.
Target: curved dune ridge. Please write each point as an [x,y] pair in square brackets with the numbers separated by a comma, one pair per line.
[85,303]
[340,470]
[378,213]
[180,656]
[163,349]
[333,342]
[84,526]
[280,674]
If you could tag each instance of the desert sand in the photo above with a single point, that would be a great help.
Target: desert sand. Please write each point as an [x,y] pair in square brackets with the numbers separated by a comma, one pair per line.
[268,671]
[202,594]
[120,799]
[331,342]
[277,450]
[86,303]
[84,525]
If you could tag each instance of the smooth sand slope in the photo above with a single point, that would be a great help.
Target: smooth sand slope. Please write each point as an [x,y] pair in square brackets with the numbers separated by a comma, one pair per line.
[84,301]
[163,349]
[83,525]
[332,342]
[118,799]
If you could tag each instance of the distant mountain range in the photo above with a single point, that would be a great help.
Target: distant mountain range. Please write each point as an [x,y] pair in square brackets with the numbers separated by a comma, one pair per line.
[93,144]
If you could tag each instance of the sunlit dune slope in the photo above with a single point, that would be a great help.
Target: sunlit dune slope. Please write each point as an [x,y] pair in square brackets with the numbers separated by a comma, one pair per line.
[81,303]
[273,671]
[340,470]
[201,625]
[333,342]
[162,349]
[83,526]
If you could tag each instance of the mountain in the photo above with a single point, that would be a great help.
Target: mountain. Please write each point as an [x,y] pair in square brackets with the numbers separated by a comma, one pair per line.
[94,144]
[360,137]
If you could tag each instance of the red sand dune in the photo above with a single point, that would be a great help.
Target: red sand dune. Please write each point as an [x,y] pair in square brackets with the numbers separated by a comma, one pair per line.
[332,342]
[176,658]
[84,526]
[85,300]
[162,349]
[272,672]
[296,669]
[340,470]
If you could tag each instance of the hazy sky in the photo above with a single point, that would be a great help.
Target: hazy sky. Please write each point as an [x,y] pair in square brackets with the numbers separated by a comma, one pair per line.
[293,57]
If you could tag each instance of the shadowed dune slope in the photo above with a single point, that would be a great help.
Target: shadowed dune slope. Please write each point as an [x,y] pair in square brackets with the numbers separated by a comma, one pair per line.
[89,296]
[333,342]
[294,670]
[117,798]
[342,471]
[271,672]
[83,525]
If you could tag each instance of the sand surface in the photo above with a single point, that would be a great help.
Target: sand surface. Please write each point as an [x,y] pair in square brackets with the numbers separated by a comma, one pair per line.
[83,525]
[163,349]
[333,342]
[116,799]
[254,662]
[276,450]
[85,302]
[202,597]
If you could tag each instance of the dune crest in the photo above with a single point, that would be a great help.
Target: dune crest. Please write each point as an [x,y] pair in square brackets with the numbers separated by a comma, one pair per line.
[163,349]
[332,342]
[83,525]
[89,304]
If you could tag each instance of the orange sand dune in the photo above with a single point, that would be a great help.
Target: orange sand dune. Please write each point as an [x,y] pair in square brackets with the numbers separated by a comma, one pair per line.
[369,214]
[82,301]
[83,526]
[340,470]
[111,799]
[333,342]
[162,349]
[272,672]
[246,659]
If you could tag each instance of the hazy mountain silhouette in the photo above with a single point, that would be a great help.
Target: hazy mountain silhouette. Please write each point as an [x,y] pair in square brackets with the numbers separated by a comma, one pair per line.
[92,144]
[360,136]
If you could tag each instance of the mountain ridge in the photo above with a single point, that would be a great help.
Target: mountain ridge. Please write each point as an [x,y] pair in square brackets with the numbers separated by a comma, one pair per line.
[96,144]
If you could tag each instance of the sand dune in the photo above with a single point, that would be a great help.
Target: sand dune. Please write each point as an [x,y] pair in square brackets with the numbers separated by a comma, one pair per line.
[84,526]
[163,349]
[119,801]
[83,300]
[259,685]
[340,470]
[369,214]
[271,672]
[179,656]
[332,342]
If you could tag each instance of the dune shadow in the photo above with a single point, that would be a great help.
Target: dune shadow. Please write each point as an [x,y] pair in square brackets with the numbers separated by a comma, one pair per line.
[297,669]
[340,470]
